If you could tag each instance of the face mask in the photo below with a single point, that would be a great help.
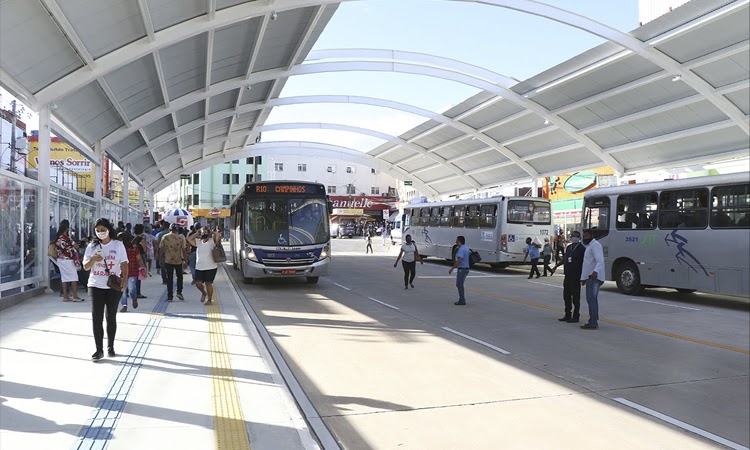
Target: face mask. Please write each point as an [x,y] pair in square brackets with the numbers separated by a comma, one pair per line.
[575,240]
[204,236]
[102,234]
[587,241]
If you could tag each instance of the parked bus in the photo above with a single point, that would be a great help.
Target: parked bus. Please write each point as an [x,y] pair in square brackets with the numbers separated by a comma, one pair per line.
[495,227]
[280,229]
[689,234]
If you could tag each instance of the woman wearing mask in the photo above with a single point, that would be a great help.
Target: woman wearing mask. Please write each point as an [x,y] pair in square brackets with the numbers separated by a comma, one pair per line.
[205,267]
[105,256]
[532,251]
[411,256]
[135,264]
[66,254]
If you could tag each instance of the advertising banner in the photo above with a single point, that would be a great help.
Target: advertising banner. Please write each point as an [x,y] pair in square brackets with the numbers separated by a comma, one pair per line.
[64,156]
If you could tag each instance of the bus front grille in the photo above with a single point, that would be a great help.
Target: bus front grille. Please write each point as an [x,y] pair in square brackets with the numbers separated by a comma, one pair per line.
[273,262]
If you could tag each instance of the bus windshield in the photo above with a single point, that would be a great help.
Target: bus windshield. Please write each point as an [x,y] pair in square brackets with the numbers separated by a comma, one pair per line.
[529,211]
[286,221]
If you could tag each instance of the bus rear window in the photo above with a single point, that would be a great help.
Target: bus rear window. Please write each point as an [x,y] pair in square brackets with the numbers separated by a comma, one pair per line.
[529,211]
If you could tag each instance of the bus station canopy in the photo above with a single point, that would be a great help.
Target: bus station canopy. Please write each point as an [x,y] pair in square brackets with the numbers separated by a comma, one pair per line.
[167,88]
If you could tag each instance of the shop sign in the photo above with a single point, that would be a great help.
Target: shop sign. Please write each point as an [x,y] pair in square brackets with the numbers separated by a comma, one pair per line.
[348,212]
[579,181]
[214,213]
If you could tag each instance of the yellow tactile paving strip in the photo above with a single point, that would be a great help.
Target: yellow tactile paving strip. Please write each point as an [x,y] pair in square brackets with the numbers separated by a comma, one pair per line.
[229,423]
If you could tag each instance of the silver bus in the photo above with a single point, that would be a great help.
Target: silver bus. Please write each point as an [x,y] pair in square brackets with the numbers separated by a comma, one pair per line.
[495,227]
[280,229]
[689,234]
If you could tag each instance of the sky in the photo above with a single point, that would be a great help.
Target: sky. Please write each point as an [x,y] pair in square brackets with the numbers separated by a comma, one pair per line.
[511,43]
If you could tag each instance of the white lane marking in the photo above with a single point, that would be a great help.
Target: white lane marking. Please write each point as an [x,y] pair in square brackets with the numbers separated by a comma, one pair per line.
[681,424]
[480,342]
[545,284]
[384,303]
[470,276]
[342,287]
[664,304]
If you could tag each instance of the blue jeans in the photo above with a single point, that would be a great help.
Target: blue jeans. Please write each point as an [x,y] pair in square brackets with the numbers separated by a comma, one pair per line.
[132,290]
[460,278]
[592,298]
[191,263]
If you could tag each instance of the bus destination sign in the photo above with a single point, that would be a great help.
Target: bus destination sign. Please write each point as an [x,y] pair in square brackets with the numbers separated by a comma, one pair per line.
[286,188]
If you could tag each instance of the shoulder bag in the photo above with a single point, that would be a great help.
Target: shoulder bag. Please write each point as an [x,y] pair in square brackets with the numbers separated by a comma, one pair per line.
[52,250]
[218,253]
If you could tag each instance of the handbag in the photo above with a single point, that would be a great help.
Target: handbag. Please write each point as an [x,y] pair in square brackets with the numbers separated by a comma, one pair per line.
[52,250]
[218,253]
[77,261]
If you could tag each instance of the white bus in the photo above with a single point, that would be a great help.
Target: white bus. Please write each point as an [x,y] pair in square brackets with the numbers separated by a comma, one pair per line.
[690,234]
[495,227]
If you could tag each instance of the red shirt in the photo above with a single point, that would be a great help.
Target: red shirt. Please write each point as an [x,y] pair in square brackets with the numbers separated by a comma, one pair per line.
[64,247]
[132,260]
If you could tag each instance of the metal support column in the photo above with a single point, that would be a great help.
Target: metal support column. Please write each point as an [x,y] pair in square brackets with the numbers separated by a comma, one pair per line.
[125,193]
[141,193]
[98,178]
[43,171]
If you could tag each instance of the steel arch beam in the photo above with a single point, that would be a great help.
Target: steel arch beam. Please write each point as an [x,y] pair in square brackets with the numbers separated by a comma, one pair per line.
[292,148]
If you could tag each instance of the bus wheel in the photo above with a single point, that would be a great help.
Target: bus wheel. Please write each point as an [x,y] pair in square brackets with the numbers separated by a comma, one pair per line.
[246,280]
[312,280]
[628,279]
[453,254]
[685,291]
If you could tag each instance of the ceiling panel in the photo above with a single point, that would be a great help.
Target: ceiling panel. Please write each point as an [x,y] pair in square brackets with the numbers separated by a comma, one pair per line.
[164,151]
[142,163]
[89,113]
[224,101]
[25,25]
[185,66]
[136,87]
[726,71]
[190,113]
[460,148]
[492,114]
[232,48]
[214,150]
[104,25]
[221,4]
[192,137]
[398,154]
[562,161]
[127,145]
[456,184]
[281,38]
[218,128]
[483,160]
[518,127]
[500,175]
[165,13]
[741,99]
[244,121]
[159,127]
[436,174]
[438,137]
[544,142]
[258,92]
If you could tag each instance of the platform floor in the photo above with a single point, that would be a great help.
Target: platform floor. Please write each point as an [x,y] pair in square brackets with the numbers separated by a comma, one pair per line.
[362,363]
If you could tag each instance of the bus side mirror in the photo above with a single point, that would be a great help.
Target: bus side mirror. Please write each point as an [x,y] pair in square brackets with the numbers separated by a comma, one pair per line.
[330,207]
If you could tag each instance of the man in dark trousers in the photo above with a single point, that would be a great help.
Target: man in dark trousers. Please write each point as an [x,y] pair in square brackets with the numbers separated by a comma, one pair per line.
[573,261]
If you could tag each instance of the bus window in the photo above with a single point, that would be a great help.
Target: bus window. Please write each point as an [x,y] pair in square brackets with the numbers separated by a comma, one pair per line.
[435,216]
[686,208]
[445,216]
[487,217]
[415,217]
[472,216]
[459,214]
[529,211]
[730,206]
[596,216]
[424,217]
[637,211]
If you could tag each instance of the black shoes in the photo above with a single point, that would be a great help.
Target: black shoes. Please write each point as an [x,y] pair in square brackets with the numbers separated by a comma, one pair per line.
[460,303]
[141,296]
[169,299]
[412,285]
[97,356]
[406,287]
[564,319]
[572,320]
[180,296]
[588,326]
[111,352]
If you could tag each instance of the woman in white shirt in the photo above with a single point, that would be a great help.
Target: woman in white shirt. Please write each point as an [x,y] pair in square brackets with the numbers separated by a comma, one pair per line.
[409,262]
[205,267]
[105,256]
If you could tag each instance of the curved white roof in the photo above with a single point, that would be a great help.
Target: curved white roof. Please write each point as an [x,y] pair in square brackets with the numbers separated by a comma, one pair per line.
[170,87]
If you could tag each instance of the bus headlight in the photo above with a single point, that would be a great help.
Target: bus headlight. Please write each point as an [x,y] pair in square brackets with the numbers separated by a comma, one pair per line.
[250,254]
[325,252]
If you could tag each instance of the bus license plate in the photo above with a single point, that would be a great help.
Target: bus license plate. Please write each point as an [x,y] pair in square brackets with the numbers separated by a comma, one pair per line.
[288,272]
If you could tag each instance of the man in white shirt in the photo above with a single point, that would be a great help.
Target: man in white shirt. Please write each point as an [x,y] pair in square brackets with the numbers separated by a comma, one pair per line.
[592,276]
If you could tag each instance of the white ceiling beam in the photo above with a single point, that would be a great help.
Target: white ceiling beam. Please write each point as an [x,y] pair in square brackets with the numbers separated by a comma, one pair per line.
[68,31]
[211,9]
[162,79]
[554,151]
[671,136]
[18,91]
[148,24]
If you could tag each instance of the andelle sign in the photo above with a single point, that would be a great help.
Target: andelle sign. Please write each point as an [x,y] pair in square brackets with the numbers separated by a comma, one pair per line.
[364,203]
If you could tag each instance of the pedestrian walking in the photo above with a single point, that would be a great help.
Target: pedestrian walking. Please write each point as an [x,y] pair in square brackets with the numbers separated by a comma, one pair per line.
[191,260]
[532,251]
[149,239]
[139,241]
[559,246]
[573,265]
[105,256]
[67,255]
[205,267]
[368,249]
[159,253]
[410,256]
[135,264]
[546,257]
[461,265]
[174,251]
[592,276]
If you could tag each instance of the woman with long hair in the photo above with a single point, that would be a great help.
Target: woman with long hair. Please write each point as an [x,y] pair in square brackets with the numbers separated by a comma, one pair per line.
[411,256]
[205,267]
[105,256]
[66,255]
